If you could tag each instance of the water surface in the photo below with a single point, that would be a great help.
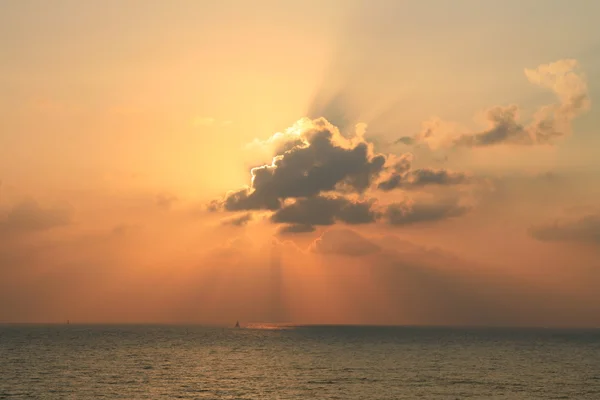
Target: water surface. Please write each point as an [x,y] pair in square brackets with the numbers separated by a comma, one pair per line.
[192,362]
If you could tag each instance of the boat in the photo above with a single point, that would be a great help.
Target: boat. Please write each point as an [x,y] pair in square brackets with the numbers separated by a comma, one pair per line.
[237,324]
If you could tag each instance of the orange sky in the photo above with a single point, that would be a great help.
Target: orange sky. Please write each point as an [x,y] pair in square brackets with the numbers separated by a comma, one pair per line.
[308,162]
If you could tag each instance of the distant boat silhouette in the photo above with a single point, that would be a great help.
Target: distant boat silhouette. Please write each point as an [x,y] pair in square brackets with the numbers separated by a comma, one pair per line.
[237,324]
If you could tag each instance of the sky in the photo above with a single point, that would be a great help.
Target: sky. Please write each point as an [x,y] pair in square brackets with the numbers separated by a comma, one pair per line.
[312,162]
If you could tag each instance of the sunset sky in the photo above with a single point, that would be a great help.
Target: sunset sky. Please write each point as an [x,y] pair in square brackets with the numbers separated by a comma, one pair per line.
[339,161]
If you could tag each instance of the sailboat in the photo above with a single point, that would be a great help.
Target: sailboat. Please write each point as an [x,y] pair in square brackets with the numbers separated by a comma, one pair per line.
[237,324]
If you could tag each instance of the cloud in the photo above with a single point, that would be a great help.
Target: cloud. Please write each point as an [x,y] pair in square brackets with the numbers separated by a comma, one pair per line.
[321,210]
[240,220]
[429,176]
[407,213]
[583,230]
[504,129]
[405,140]
[403,177]
[305,214]
[423,177]
[318,159]
[29,216]
[435,133]
[280,142]
[344,242]
[549,122]
[566,81]
[319,177]
[400,167]
[296,228]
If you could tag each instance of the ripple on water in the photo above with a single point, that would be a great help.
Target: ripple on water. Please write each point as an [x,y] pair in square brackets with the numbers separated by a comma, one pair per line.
[295,363]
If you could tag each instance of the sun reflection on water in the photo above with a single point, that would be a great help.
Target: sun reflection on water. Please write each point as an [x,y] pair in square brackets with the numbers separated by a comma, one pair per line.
[268,326]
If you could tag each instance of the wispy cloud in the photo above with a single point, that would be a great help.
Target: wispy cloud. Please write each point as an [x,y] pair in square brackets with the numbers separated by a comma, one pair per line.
[239,220]
[549,123]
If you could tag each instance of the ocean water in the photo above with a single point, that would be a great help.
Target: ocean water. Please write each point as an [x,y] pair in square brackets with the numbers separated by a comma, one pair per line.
[266,362]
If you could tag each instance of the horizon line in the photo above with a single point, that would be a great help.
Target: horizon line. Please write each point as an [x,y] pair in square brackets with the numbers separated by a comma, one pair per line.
[264,325]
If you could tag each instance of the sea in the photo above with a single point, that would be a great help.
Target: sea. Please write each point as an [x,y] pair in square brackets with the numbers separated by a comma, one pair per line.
[265,361]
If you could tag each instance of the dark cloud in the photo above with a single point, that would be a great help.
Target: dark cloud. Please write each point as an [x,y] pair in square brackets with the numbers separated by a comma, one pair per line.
[305,214]
[403,177]
[321,164]
[321,210]
[403,163]
[505,129]
[296,228]
[400,169]
[423,177]
[316,169]
[239,220]
[29,216]
[583,230]
[391,183]
[407,213]
[344,242]
[428,176]
[248,199]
